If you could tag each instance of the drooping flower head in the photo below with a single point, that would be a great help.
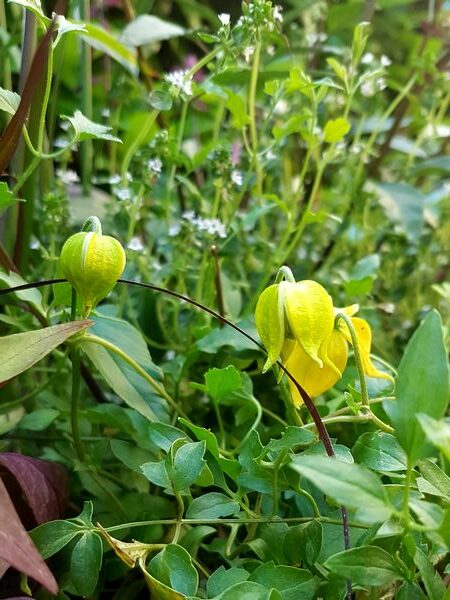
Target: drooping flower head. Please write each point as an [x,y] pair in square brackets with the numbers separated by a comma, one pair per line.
[297,322]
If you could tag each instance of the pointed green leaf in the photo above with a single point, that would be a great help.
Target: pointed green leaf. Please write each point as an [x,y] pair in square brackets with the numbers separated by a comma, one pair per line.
[422,386]
[366,565]
[21,351]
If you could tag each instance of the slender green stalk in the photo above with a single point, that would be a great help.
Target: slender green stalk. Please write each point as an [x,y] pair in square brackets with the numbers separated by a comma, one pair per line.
[180,513]
[138,140]
[240,521]
[75,399]
[252,115]
[358,359]
[6,75]
[86,99]
[406,490]
[133,364]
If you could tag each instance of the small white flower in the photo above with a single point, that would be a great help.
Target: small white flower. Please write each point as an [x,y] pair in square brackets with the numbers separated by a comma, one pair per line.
[281,107]
[114,180]
[356,149]
[385,61]
[155,165]
[237,178]
[170,355]
[367,58]
[277,13]
[34,244]
[106,113]
[312,38]
[135,244]
[180,80]
[60,142]
[68,176]
[224,18]
[248,53]
[65,125]
[174,229]
[188,215]
[270,155]
[271,50]
[123,193]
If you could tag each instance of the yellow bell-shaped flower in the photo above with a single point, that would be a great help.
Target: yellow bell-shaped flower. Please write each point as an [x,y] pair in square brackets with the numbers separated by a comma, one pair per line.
[296,322]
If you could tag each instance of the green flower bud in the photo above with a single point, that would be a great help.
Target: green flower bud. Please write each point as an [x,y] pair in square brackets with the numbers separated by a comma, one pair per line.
[92,263]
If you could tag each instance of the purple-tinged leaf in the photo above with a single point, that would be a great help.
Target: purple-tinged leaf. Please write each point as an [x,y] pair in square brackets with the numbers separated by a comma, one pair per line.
[16,547]
[44,485]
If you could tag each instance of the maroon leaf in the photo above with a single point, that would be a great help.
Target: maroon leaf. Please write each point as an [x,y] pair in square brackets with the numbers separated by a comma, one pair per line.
[16,547]
[45,485]
[38,70]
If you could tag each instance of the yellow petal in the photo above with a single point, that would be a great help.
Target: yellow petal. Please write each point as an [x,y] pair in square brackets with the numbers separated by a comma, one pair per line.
[364,337]
[309,312]
[269,318]
[314,379]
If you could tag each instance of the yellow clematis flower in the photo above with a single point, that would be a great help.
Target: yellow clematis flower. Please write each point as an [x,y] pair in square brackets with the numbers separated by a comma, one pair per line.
[296,322]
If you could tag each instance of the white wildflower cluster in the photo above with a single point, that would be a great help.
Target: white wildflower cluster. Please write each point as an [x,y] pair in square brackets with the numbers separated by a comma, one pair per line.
[313,39]
[369,58]
[135,244]
[236,177]
[155,165]
[67,177]
[181,80]
[224,18]
[123,193]
[371,86]
[211,226]
[248,53]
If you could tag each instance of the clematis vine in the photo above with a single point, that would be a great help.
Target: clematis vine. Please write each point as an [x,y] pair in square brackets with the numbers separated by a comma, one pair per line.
[298,324]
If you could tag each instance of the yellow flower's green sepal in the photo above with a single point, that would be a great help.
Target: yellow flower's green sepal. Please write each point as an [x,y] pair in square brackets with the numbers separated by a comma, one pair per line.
[310,315]
[92,263]
[269,318]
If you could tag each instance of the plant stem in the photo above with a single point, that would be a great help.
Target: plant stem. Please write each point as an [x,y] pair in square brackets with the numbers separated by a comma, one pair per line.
[140,137]
[86,99]
[180,513]
[252,115]
[76,380]
[241,521]
[358,359]
[406,488]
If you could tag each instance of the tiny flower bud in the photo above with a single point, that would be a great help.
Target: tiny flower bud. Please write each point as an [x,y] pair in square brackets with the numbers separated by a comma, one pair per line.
[92,263]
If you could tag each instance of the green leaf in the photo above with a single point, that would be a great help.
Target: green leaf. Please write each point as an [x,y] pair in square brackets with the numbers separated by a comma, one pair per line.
[187,465]
[147,29]
[86,563]
[338,68]
[34,5]
[302,543]
[39,419]
[130,455]
[85,129]
[173,567]
[367,565]
[7,198]
[432,581]
[245,590]
[105,41]
[116,378]
[202,434]
[422,386]
[291,582]
[9,101]
[220,382]
[156,473]
[379,451]
[238,109]
[290,438]
[51,537]
[33,296]
[222,579]
[160,100]
[212,506]
[335,130]
[402,204]
[66,26]
[436,477]
[436,432]
[349,484]
[21,351]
